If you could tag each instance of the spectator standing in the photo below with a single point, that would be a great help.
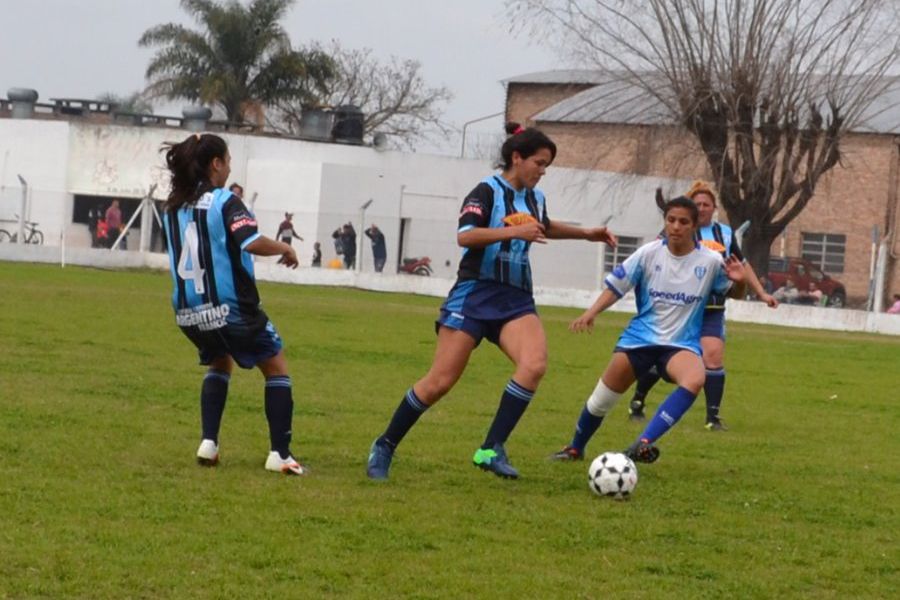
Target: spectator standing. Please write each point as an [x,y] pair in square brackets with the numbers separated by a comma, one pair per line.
[286,231]
[317,255]
[94,217]
[113,221]
[345,244]
[379,249]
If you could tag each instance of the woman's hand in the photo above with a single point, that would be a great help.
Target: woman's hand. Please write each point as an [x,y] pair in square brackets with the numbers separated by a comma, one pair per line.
[289,258]
[583,323]
[530,232]
[601,234]
[770,301]
[734,269]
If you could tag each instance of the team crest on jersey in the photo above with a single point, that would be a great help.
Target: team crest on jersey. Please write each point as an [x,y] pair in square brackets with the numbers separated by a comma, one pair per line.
[205,201]
[700,272]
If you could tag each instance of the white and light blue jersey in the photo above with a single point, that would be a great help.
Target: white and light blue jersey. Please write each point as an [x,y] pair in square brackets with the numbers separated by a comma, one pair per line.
[670,293]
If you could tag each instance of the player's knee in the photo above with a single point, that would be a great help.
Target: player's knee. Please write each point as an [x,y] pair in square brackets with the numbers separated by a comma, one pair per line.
[602,399]
[438,384]
[693,382]
[534,368]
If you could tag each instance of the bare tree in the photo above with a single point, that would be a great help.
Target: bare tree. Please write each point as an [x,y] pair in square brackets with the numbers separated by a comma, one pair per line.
[768,88]
[393,96]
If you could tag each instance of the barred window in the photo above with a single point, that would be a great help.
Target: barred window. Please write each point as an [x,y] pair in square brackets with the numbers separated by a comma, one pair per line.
[825,250]
[624,249]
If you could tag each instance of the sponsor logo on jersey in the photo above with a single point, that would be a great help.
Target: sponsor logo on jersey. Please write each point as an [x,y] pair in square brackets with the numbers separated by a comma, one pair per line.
[518,218]
[471,207]
[713,245]
[675,296]
[205,317]
[242,222]
[205,201]
[700,272]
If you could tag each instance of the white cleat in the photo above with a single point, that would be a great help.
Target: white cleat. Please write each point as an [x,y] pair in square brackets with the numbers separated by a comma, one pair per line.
[208,453]
[288,465]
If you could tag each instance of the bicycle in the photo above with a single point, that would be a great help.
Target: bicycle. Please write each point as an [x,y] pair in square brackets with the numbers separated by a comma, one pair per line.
[33,235]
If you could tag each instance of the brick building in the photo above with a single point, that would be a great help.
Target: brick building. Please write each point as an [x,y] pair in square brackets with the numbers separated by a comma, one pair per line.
[599,123]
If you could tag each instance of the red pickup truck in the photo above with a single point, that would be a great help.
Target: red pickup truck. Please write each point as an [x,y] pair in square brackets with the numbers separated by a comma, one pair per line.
[804,273]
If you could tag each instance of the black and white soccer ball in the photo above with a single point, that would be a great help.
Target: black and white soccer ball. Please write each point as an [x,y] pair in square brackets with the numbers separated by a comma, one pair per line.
[612,474]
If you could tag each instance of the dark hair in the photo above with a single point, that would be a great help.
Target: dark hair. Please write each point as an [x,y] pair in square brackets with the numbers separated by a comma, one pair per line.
[188,164]
[683,202]
[524,141]
[235,185]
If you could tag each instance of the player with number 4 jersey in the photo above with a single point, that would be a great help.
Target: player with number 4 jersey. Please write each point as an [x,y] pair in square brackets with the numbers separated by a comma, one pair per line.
[210,235]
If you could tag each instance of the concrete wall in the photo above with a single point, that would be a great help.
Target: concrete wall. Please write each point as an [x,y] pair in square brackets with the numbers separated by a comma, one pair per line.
[739,311]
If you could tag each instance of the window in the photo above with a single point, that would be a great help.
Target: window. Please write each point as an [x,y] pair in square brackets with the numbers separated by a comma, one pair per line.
[625,248]
[825,250]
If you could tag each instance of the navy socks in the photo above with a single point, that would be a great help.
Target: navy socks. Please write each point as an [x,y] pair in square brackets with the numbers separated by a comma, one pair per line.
[279,413]
[513,403]
[585,428]
[406,415]
[213,394]
[714,388]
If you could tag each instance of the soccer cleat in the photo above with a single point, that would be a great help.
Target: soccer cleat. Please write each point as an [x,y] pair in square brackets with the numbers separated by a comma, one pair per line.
[636,410]
[642,451]
[380,457]
[288,465]
[495,460]
[208,453]
[716,425]
[568,453]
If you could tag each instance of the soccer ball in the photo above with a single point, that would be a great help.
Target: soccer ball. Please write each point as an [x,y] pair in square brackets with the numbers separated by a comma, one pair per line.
[612,474]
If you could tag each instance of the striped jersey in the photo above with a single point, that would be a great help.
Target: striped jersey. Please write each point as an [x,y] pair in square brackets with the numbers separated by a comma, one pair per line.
[494,203]
[670,294]
[719,238]
[213,279]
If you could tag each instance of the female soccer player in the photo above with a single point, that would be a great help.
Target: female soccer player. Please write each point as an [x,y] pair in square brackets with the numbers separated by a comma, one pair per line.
[209,233]
[719,237]
[673,278]
[492,298]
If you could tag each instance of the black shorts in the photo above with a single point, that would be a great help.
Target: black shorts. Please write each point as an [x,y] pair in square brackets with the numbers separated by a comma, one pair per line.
[645,358]
[247,351]
[482,308]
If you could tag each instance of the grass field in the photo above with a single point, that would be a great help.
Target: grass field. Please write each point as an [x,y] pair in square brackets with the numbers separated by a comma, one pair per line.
[100,496]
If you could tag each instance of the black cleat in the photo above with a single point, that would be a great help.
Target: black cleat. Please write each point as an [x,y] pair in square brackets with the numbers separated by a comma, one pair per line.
[642,451]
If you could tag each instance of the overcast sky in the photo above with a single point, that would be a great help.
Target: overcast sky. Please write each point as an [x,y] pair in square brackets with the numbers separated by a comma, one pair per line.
[83,48]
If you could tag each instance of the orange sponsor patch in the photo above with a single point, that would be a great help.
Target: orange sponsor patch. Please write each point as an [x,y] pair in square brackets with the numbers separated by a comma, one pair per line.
[713,245]
[519,218]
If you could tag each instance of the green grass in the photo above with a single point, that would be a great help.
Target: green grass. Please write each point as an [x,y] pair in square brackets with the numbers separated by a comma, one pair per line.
[100,496]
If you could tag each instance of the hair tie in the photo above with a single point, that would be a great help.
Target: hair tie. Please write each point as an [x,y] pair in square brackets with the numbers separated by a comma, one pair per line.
[518,130]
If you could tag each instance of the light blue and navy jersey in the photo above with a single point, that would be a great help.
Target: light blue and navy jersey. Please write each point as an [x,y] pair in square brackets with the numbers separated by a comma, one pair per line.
[719,237]
[213,279]
[670,293]
[494,203]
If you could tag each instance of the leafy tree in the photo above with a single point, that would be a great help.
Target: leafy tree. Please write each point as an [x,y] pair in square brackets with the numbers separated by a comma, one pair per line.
[767,88]
[241,59]
[393,96]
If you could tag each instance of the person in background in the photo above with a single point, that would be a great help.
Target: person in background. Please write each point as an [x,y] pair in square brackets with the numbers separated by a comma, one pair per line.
[317,255]
[286,231]
[210,235]
[379,249]
[113,219]
[895,307]
[237,189]
[788,293]
[345,244]
[94,217]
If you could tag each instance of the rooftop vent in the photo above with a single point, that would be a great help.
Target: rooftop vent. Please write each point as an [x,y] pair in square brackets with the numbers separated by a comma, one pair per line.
[196,118]
[22,100]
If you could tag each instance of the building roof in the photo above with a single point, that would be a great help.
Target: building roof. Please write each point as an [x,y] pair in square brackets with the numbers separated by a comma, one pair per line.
[612,99]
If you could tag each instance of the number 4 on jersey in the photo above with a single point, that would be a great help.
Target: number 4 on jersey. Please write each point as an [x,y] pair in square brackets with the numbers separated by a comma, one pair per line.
[189,262]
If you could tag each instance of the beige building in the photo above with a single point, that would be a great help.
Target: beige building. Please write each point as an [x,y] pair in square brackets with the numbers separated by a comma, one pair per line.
[604,125]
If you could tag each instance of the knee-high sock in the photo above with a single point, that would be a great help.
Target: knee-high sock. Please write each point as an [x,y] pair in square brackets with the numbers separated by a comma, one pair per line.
[598,404]
[279,413]
[513,402]
[213,394]
[406,415]
[714,388]
[673,407]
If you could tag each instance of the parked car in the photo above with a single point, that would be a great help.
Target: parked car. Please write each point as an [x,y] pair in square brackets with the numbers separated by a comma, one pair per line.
[804,273]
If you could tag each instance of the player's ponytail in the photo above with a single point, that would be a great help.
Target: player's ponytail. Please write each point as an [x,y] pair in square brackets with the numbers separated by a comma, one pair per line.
[188,164]
[524,141]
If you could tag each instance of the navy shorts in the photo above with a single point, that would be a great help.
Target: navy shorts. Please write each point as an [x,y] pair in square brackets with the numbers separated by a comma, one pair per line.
[645,358]
[482,308]
[247,352]
[713,323]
